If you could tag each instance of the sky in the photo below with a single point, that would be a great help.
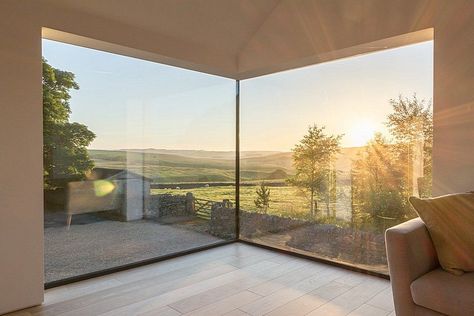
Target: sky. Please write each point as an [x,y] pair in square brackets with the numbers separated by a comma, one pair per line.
[132,103]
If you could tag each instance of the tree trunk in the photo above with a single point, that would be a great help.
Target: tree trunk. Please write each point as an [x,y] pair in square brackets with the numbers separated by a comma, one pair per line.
[312,203]
[328,211]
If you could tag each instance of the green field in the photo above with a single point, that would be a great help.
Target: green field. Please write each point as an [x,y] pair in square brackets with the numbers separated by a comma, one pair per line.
[285,201]
[281,198]
[177,167]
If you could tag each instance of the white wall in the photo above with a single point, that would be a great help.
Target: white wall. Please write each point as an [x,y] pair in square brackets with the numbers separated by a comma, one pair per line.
[453,148]
[21,195]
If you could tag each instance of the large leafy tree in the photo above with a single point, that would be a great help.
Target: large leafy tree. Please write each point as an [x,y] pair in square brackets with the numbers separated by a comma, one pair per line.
[377,185]
[386,174]
[312,159]
[411,125]
[65,155]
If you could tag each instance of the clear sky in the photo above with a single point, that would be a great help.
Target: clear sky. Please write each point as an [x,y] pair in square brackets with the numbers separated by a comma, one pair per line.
[131,103]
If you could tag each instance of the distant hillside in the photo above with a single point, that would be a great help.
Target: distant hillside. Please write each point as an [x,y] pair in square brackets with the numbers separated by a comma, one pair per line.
[173,166]
[204,153]
[282,160]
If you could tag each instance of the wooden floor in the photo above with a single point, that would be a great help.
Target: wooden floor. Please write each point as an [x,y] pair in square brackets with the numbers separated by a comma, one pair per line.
[235,279]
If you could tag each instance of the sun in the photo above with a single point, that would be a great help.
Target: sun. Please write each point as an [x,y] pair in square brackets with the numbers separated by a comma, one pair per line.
[361,132]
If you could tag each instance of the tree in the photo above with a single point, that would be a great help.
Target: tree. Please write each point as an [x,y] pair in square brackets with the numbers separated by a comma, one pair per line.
[377,185]
[65,155]
[312,159]
[386,174]
[411,125]
[262,202]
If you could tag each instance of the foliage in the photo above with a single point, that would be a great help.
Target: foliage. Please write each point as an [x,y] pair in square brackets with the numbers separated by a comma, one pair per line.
[65,155]
[386,174]
[262,202]
[377,185]
[312,159]
[411,125]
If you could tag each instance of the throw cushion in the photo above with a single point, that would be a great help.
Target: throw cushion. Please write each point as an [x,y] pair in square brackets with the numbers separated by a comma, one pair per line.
[450,222]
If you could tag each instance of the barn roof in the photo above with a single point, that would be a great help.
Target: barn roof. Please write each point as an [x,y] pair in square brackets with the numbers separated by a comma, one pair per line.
[115,174]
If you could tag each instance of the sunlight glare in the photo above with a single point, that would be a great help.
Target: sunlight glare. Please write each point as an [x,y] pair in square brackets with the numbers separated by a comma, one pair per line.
[361,132]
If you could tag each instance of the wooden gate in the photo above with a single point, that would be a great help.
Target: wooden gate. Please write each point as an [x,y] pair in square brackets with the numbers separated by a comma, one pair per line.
[203,208]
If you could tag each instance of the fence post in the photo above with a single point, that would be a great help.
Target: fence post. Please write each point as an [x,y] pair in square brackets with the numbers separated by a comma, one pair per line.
[226,203]
[190,203]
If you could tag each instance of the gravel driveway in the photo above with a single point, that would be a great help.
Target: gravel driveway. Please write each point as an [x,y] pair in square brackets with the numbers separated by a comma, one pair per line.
[90,246]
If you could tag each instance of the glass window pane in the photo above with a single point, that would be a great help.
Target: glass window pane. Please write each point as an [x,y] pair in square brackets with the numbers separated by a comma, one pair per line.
[139,160]
[330,153]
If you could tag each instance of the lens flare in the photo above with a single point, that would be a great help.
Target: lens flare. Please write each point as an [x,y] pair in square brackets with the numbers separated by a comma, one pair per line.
[103,187]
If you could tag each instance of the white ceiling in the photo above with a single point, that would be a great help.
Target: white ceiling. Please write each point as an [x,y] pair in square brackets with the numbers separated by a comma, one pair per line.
[261,36]
[219,24]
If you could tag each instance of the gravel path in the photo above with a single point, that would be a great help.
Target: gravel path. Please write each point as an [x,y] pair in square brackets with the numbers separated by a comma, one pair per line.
[88,247]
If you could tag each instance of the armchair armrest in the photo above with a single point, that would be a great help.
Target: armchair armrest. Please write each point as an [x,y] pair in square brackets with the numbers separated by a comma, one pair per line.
[410,254]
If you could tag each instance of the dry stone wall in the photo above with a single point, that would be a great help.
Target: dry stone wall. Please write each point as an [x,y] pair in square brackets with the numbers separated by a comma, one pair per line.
[222,222]
[170,205]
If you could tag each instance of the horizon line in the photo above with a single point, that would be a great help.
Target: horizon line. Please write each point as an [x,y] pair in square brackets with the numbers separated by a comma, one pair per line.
[204,150]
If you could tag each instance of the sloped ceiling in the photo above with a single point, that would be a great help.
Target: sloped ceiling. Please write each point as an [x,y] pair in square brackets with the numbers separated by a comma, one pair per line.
[216,24]
[308,30]
[262,36]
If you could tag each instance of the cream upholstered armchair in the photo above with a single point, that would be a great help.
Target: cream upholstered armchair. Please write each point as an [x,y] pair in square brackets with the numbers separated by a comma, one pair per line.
[420,286]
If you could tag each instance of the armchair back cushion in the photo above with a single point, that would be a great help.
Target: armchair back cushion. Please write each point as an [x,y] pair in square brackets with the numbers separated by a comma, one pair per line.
[450,223]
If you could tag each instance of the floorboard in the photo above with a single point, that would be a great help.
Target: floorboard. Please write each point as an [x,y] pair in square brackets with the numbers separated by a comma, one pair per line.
[236,279]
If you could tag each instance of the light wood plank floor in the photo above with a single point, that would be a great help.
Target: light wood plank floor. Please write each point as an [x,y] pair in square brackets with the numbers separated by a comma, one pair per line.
[235,279]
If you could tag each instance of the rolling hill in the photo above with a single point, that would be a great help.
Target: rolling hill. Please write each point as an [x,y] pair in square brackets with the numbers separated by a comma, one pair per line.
[175,166]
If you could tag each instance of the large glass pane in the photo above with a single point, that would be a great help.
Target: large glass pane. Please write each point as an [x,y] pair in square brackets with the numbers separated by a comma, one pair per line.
[138,160]
[331,153]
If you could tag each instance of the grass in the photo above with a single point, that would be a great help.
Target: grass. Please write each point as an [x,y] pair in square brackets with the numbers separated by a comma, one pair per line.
[191,166]
[180,166]
[284,201]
